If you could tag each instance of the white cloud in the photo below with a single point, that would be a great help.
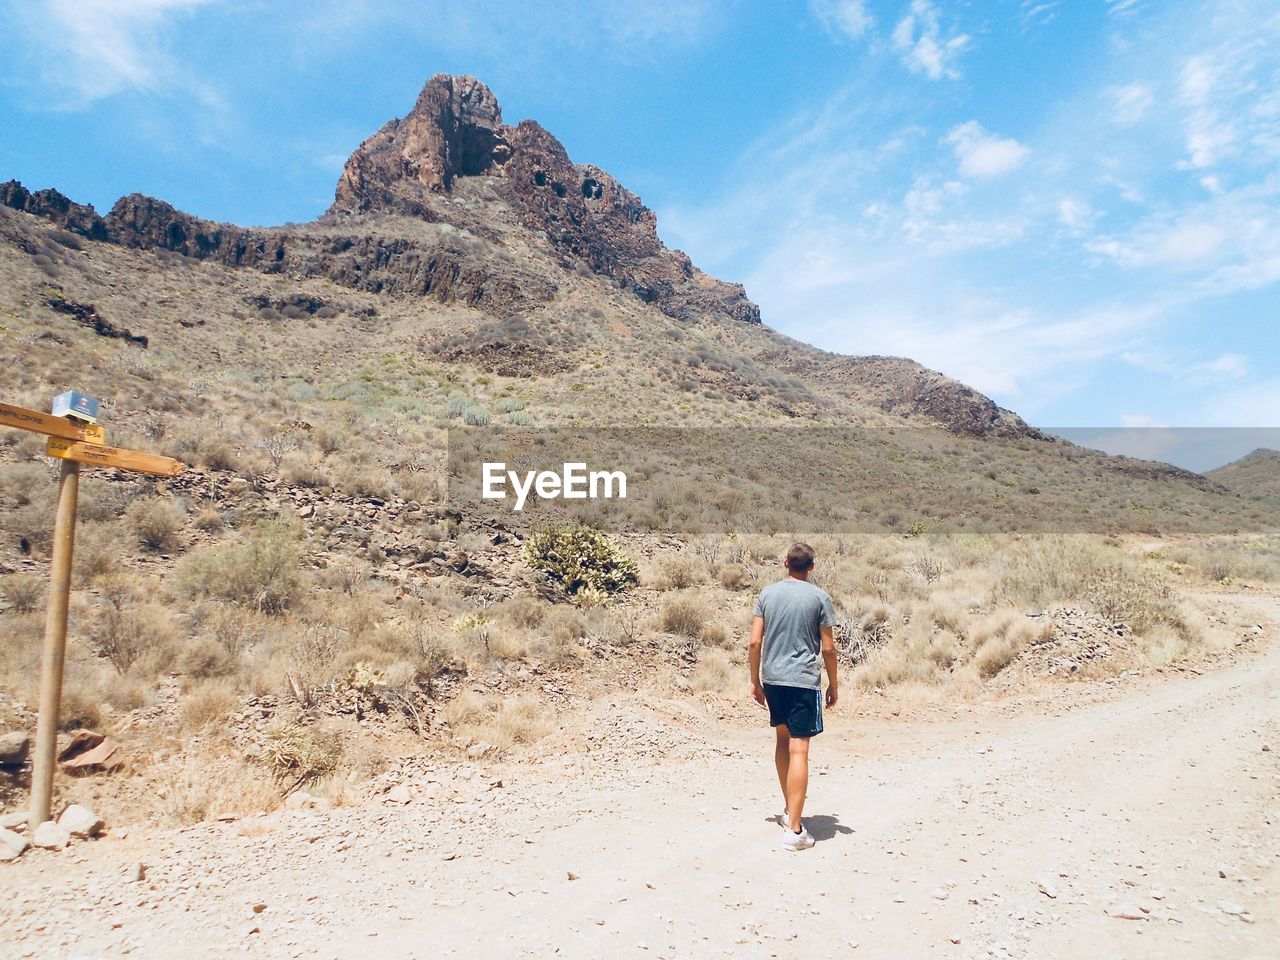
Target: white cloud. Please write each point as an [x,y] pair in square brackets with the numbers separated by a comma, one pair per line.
[1226,368]
[1038,13]
[1137,421]
[1076,215]
[1252,405]
[1228,243]
[852,18]
[982,154]
[1107,247]
[102,47]
[1229,366]
[1130,102]
[922,45]
[1124,8]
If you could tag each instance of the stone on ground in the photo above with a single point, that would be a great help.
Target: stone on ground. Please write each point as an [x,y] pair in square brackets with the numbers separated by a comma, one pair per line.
[12,844]
[14,748]
[51,836]
[81,822]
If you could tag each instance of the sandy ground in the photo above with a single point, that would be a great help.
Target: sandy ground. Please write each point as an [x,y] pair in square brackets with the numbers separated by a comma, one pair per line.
[1012,829]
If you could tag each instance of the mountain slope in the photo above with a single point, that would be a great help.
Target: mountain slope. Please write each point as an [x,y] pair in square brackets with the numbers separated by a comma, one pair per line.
[451,205]
[468,271]
[1257,474]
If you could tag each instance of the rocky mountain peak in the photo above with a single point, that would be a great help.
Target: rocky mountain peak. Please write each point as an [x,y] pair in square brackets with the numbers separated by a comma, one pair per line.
[455,130]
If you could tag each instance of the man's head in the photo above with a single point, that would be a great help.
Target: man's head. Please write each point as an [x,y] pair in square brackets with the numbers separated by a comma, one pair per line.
[799,560]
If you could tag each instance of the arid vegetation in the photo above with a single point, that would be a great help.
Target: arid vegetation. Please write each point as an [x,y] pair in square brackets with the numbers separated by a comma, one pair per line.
[306,600]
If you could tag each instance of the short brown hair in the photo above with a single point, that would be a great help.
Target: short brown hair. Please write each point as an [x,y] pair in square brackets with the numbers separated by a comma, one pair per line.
[800,557]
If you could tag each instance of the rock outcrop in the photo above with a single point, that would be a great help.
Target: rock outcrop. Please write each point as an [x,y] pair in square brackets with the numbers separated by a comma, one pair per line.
[455,130]
[903,386]
[51,205]
[409,169]
[445,268]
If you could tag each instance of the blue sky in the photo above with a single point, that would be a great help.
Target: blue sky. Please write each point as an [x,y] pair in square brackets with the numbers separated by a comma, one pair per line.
[1073,206]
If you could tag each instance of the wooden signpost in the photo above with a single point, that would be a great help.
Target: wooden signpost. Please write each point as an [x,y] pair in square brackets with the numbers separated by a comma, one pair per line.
[48,424]
[74,442]
[103,456]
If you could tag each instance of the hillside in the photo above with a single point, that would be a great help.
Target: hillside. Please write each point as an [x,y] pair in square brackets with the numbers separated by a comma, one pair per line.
[466,264]
[450,208]
[321,595]
[1254,475]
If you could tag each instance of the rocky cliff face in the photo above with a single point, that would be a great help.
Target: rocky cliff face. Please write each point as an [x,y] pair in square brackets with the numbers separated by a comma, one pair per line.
[408,169]
[443,268]
[51,205]
[453,204]
[455,130]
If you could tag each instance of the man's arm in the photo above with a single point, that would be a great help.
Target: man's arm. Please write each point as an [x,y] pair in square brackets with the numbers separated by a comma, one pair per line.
[753,657]
[829,660]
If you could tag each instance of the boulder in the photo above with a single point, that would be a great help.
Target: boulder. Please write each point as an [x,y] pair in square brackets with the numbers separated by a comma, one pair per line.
[51,836]
[15,747]
[12,845]
[91,752]
[400,793]
[81,741]
[81,822]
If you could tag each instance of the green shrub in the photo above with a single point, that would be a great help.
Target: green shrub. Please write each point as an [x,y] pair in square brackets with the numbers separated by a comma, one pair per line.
[519,418]
[509,405]
[476,417]
[580,558]
[258,570]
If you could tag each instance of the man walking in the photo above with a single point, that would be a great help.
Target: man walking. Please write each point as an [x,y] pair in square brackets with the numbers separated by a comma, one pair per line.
[792,622]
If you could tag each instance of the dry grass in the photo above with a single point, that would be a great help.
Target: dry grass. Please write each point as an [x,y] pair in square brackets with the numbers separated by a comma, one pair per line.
[208,782]
[156,523]
[684,615]
[1225,561]
[717,673]
[296,753]
[1080,571]
[23,592]
[206,702]
[678,572]
[258,569]
[502,723]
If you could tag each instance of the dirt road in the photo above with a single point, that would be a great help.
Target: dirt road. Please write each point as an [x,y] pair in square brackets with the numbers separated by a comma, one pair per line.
[647,830]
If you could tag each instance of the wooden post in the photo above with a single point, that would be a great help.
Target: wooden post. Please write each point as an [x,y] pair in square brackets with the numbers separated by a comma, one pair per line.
[55,645]
[73,442]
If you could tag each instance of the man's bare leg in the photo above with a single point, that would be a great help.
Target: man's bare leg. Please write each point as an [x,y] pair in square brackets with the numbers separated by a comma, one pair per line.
[797,779]
[782,759]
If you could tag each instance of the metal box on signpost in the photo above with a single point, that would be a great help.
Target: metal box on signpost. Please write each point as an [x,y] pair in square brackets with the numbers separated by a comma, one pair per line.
[75,404]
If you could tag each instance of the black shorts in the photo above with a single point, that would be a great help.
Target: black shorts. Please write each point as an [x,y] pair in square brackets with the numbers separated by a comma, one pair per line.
[800,708]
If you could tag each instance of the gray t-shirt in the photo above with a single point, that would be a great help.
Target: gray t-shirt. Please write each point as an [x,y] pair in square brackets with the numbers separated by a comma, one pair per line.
[793,612]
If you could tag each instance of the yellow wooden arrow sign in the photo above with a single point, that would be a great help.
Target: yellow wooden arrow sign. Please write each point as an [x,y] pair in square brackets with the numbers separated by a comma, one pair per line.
[102,456]
[47,423]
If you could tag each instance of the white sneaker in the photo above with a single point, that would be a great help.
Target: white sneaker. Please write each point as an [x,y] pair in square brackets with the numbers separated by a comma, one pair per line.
[797,841]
